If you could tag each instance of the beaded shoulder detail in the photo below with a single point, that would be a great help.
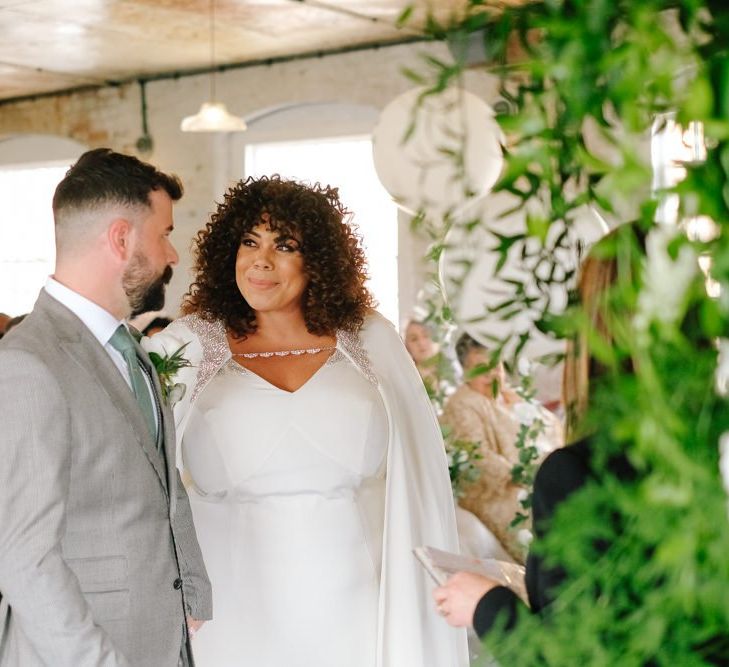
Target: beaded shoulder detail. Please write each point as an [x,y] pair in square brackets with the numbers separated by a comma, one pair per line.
[216,350]
[351,343]
[214,345]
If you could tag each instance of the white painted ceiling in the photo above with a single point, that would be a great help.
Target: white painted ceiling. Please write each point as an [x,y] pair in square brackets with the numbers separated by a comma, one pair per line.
[48,46]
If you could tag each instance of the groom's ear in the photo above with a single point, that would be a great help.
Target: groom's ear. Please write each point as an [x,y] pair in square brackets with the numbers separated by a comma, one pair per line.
[120,235]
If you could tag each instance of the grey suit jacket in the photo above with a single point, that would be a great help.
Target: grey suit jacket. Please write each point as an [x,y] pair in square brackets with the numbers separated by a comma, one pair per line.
[99,563]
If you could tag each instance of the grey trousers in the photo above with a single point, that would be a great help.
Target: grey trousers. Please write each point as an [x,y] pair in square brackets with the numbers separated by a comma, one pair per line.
[186,658]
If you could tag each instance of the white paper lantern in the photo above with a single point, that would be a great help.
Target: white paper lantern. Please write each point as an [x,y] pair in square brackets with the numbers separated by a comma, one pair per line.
[419,172]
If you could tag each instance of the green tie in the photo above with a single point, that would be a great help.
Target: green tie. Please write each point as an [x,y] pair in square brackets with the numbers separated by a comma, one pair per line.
[123,342]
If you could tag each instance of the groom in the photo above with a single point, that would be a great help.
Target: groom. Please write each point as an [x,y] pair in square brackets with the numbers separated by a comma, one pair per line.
[99,563]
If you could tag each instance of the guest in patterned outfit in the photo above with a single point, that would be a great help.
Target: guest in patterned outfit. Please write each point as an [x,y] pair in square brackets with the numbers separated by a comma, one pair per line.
[483,411]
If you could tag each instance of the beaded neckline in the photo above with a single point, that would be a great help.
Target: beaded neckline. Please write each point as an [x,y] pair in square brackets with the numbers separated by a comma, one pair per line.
[215,351]
[284,353]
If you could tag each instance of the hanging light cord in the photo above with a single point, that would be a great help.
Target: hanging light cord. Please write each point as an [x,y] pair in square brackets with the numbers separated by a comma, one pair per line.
[212,50]
[143,95]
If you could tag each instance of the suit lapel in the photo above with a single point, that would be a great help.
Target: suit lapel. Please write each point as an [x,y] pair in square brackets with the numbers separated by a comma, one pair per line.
[79,343]
[166,426]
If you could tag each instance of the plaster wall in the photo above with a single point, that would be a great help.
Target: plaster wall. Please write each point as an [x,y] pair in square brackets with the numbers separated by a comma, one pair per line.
[359,84]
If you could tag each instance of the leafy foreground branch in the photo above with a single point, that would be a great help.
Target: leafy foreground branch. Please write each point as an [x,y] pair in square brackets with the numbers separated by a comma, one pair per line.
[646,558]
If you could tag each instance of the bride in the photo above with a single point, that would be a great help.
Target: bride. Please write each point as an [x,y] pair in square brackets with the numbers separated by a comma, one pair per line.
[313,455]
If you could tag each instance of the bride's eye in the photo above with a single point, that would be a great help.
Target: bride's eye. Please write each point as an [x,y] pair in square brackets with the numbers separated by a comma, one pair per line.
[288,246]
[248,242]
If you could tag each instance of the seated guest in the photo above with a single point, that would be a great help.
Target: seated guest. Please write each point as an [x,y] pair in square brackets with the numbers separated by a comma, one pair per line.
[13,322]
[4,319]
[156,325]
[435,366]
[482,410]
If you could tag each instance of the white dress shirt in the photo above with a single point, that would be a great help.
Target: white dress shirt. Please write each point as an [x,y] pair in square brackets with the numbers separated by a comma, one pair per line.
[101,323]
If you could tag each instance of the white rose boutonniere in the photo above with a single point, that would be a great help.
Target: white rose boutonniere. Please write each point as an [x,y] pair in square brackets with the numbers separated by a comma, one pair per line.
[167,356]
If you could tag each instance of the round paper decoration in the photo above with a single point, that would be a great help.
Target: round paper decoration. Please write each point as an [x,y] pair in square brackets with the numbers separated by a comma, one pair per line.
[414,145]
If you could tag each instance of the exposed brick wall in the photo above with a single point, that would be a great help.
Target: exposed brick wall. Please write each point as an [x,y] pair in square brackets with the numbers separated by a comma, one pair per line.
[111,117]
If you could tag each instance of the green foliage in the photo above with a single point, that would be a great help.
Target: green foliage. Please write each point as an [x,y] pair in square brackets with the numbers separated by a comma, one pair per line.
[647,566]
[530,430]
[462,461]
[167,367]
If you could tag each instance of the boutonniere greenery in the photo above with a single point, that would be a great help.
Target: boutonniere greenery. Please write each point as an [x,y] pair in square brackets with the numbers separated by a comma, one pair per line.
[167,367]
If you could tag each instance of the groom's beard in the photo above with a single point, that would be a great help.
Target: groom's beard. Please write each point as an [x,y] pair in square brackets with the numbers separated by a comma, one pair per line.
[144,290]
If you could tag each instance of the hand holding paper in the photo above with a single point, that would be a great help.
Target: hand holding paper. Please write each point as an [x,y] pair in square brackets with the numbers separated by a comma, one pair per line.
[456,600]
[441,565]
[463,581]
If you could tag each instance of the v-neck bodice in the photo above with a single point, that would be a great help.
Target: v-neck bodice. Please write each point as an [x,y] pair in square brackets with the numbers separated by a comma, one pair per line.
[247,437]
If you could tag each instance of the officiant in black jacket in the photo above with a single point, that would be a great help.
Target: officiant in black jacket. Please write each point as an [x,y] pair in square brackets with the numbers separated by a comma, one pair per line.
[469,599]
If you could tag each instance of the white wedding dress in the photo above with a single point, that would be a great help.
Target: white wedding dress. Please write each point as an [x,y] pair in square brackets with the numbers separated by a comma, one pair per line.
[308,504]
[287,500]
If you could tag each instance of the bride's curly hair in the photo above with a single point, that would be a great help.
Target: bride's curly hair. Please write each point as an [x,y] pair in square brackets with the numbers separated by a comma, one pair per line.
[334,261]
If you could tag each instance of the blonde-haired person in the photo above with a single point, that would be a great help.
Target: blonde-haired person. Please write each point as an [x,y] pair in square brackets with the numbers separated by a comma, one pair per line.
[471,600]
[597,277]
[435,365]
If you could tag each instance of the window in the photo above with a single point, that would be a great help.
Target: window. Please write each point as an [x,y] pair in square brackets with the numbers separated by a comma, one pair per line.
[345,163]
[27,249]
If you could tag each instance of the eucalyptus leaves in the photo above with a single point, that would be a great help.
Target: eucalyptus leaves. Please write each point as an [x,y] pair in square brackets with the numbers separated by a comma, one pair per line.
[585,81]
[530,415]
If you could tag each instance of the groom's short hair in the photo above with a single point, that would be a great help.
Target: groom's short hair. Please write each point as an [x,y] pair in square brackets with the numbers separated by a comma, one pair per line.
[102,182]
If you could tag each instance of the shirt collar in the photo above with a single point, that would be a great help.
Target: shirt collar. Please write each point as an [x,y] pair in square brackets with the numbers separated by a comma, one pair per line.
[101,323]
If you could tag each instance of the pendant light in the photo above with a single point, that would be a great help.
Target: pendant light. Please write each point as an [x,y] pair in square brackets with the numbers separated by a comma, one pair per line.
[213,116]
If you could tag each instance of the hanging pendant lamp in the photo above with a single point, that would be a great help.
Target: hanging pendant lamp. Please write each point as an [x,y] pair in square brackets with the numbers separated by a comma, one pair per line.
[213,116]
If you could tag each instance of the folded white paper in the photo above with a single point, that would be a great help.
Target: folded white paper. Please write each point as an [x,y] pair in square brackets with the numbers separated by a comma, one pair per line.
[442,564]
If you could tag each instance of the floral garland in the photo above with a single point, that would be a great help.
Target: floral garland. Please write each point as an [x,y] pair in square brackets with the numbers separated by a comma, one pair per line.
[462,458]
[531,427]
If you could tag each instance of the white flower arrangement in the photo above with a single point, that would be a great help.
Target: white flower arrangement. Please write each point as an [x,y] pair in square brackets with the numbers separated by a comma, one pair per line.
[164,344]
[524,367]
[722,368]
[724,462]
[462,456]
[524,537]
[529,414]
[526,412]
[666,280]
